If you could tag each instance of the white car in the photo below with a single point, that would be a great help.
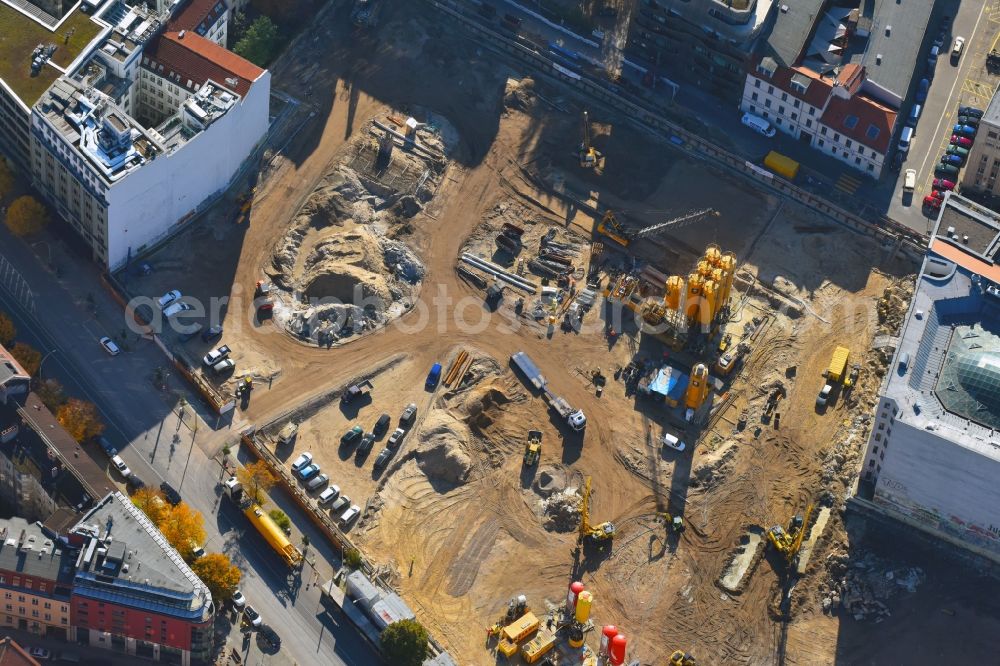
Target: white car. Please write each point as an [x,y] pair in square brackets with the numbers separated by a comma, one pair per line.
[302,461]
[40,653]
[216,355]
[328,495]
[110,346]
[910,180]
[348,516]
[121,466]
[956,50]
[673,442]
[239,601]
[168,298]
[175,308]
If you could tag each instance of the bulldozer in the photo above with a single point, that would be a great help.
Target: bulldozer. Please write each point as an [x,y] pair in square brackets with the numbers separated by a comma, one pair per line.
[788,541]
[681,658]
[533,449]
[601,532]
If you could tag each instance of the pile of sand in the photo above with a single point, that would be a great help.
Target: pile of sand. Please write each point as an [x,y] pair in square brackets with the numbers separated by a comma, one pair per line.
[519,95]
[483,404]
[562,511]
[442,453]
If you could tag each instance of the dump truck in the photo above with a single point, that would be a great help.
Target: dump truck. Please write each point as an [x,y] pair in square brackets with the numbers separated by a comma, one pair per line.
[268,529]
[574,417]
[781,165]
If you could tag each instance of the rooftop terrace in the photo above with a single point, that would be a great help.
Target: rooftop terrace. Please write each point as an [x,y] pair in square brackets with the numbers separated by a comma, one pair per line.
[19,35]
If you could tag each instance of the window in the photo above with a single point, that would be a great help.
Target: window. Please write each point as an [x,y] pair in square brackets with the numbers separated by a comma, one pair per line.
[784,97]
[812,111]
[881,426]
[809,123]
[766,115]
[770,90]
[795,103]
[767,103]
[822,130]
[875,450]
[756,83]
[754,97]
[836,136]
[850,122]
[795,116]
[857,160]
[821,143]
[753,109]
[872,132]
[991,134]
[781,110]
[871,463]
[848,144]
[878,437]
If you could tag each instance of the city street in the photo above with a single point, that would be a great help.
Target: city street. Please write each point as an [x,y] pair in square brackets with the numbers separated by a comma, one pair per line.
[70,313]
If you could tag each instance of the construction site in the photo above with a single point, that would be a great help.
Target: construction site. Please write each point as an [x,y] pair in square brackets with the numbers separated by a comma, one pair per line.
[655,379]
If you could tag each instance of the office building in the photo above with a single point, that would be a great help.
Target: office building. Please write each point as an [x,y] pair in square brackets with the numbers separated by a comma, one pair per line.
[983,164]
[36,580]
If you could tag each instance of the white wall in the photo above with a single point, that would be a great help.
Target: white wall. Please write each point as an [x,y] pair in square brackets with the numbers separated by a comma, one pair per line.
[947,487]
[148,202]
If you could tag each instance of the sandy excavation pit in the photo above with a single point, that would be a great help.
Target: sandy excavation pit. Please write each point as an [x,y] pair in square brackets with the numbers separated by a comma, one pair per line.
[344,266]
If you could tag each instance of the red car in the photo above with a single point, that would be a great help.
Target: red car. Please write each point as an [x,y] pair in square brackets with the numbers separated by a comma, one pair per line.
[942,184]
[957,140]
[932,202]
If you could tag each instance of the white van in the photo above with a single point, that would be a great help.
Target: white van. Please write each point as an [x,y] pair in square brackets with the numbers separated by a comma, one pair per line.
[672,442]
[910,180]
[758,124]
[904,139]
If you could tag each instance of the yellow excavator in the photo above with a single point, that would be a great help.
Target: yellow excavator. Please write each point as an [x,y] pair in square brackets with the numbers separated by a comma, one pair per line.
[789,541]
[676,523]
[605,530]
[590,158]
[533,449]
[681,658]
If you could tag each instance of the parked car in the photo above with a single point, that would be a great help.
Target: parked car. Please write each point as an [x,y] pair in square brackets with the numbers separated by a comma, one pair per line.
[956,48]
[897,161]
[433,377]
[303,460]
[383,457]
[910,179]
[212,333]
[932,202]
[239,601]
[110,346]
[197,551]
[958,150]
[168,298]
[408,414]
[170,493]
[106,446]
[964,130]
[368,440]
[942,184]
[309,471]
[252,616]
[922,88]
[942,170]
[949,158]
[971,121]
[673,442]
[396,438]
[225,365]
[382,424]
[216,355]
[176,308]
[120,465]
[329,494]
[351,436]
[40,653]
[317,482]
[340,504]
[970,111]
[937,194]
[270,637]
[957,140]
[348,516]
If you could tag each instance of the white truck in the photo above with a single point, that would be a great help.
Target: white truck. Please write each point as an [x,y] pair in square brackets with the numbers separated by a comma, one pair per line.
[574,417]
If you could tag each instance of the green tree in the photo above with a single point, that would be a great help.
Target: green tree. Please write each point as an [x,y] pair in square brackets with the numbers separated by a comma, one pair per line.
[219,574]
[405,643]
[7,330]
[256,479]
[29,357]
[280,519]
[52,394]
[352,558]
[26,216]
[261,42]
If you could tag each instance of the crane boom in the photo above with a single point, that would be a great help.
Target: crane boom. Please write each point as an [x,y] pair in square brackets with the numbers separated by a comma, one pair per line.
[675,223]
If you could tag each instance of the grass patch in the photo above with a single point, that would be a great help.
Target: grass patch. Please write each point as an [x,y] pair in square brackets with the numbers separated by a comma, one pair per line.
[19,35]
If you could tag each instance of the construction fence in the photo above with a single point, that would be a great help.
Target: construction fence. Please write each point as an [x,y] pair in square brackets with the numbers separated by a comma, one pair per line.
[885,230]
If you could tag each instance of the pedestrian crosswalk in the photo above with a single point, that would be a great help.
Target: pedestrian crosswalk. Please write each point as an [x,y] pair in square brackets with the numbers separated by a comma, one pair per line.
[847,183]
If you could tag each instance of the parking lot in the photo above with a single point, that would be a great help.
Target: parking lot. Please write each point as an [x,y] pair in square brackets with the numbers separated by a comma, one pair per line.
[962,82]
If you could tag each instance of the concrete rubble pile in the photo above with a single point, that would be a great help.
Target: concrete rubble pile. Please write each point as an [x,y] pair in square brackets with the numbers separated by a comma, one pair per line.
[862,584]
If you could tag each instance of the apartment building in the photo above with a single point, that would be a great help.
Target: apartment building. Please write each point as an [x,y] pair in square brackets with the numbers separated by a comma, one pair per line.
[933,455]
[36,580]
[140,119]
[132,593]
[830,113]
[983,165]
[14,380]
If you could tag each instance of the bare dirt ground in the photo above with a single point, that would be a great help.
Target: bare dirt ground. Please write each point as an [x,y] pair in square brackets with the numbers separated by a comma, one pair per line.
[464,527]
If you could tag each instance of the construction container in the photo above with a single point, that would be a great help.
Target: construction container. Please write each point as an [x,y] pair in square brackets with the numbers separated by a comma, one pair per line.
[675,290]
[616,653]
[507,648]
[838,364]
[583,604]
[520,628]
[536,648]
[575,588]
[607,633]
[781,165]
